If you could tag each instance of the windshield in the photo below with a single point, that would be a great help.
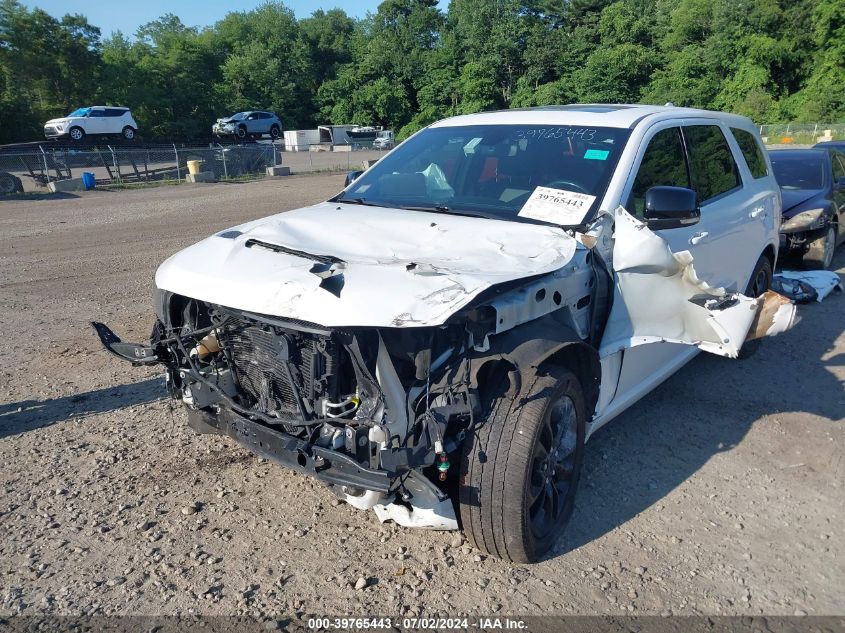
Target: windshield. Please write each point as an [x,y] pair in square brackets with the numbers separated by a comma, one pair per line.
[80,112]
[494,171]
[798,171]
[238,116]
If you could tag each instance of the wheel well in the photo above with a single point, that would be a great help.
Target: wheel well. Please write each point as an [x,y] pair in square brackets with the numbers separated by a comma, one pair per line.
[769,253]
[583,360]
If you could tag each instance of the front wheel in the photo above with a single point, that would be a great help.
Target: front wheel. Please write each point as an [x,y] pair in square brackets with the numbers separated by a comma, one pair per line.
[819,255]
[241,132]
[520,469]
[76,134]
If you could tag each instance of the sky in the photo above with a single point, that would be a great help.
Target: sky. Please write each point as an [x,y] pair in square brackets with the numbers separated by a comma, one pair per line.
[128,15]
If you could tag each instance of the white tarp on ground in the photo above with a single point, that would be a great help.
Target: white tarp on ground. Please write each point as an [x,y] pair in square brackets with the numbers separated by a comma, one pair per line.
[823,282]
[659,297]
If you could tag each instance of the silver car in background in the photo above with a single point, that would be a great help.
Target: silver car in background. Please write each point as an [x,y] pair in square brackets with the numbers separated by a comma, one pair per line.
[248,124]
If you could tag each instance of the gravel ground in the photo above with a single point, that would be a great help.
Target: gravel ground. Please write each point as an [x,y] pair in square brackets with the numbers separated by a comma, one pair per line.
[719,493]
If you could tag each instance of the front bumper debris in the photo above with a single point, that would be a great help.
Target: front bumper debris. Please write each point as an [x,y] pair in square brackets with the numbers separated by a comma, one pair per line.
[325,464]
[135,353]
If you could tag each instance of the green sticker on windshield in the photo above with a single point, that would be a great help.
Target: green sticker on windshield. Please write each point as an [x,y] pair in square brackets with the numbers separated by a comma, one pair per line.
[596,154]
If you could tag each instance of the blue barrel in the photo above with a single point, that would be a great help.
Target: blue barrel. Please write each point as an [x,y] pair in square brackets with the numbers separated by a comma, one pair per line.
[88,180]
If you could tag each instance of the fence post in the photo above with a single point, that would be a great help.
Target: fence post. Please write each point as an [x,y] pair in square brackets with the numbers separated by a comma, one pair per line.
[46,169]
[114,162]
[225,167]
[178,172]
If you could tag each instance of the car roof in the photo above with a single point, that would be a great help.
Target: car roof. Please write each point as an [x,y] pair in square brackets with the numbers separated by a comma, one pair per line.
[809,152]
[616,115]
[101,106]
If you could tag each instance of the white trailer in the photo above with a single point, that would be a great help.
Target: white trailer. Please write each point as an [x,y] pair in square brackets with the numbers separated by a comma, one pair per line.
[301,140]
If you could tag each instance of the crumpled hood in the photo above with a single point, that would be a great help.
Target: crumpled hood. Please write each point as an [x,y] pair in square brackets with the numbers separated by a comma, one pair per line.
[793,198]
[379,267]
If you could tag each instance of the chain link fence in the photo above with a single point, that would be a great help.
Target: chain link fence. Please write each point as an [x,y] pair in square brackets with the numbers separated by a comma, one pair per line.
[34,167]
[802,133]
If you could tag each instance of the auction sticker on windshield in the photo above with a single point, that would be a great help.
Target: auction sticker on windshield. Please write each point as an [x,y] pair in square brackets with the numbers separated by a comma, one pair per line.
[557,206]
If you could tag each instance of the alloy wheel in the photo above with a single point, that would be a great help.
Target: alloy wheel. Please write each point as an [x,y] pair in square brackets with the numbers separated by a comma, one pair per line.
[550,489]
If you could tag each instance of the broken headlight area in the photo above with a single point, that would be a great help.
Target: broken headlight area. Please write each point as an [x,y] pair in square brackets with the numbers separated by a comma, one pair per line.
[378,414]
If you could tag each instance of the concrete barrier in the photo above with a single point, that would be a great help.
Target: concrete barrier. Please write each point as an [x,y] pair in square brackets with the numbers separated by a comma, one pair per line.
[71,184]
[203,176]
[278,170]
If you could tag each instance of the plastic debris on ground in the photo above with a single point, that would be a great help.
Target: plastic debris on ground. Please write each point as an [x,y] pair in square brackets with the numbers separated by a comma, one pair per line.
[804,286]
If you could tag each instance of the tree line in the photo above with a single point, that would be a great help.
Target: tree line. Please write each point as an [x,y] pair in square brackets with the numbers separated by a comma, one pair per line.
[410,63]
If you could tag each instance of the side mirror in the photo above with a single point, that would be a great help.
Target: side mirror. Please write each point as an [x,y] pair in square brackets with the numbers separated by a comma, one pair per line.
[352,176]
[671,208]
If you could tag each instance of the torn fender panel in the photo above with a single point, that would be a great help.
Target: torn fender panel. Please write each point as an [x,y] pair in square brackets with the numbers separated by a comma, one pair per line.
[659,297]
[775,314]
[346,265]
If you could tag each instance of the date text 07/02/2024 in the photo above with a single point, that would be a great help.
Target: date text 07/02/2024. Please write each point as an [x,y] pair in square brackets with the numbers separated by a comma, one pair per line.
[375,623]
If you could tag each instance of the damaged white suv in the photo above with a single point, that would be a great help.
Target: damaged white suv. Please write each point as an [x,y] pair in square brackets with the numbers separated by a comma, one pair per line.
[438,341]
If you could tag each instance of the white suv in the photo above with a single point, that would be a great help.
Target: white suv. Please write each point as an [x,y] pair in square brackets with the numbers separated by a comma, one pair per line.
[441,338]
[93,121]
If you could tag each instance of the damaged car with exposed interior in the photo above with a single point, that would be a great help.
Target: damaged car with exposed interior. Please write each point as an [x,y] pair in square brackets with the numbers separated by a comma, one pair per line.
[437,342]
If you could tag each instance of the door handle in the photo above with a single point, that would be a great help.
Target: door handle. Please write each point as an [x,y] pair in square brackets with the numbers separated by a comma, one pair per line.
[698,238]
[756,213]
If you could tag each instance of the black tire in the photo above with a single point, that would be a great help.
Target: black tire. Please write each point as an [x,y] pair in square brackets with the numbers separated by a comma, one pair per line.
[275,132]
[501,505]
[819,255]
[128,133]
[240,132]
[760,282]
[9,183]
[76,134]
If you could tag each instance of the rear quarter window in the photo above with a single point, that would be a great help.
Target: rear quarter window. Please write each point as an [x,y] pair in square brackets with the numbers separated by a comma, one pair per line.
[752,152]
[712,165]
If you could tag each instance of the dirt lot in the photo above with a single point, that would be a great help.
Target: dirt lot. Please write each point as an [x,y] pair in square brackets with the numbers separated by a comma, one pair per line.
[720,493]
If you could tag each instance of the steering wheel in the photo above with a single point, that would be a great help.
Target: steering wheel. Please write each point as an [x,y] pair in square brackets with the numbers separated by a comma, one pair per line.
[568,185]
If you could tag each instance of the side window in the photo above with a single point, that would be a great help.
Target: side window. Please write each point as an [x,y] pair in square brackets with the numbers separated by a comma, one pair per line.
[838,167]
[663,164]
[97,113]
[712,165]
[751,152]
[264,115]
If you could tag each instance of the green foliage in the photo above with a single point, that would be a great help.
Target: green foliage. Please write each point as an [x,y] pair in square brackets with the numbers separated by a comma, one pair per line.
[409,63]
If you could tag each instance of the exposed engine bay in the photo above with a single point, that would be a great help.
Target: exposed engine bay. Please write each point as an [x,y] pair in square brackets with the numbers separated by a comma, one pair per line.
[380,413]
